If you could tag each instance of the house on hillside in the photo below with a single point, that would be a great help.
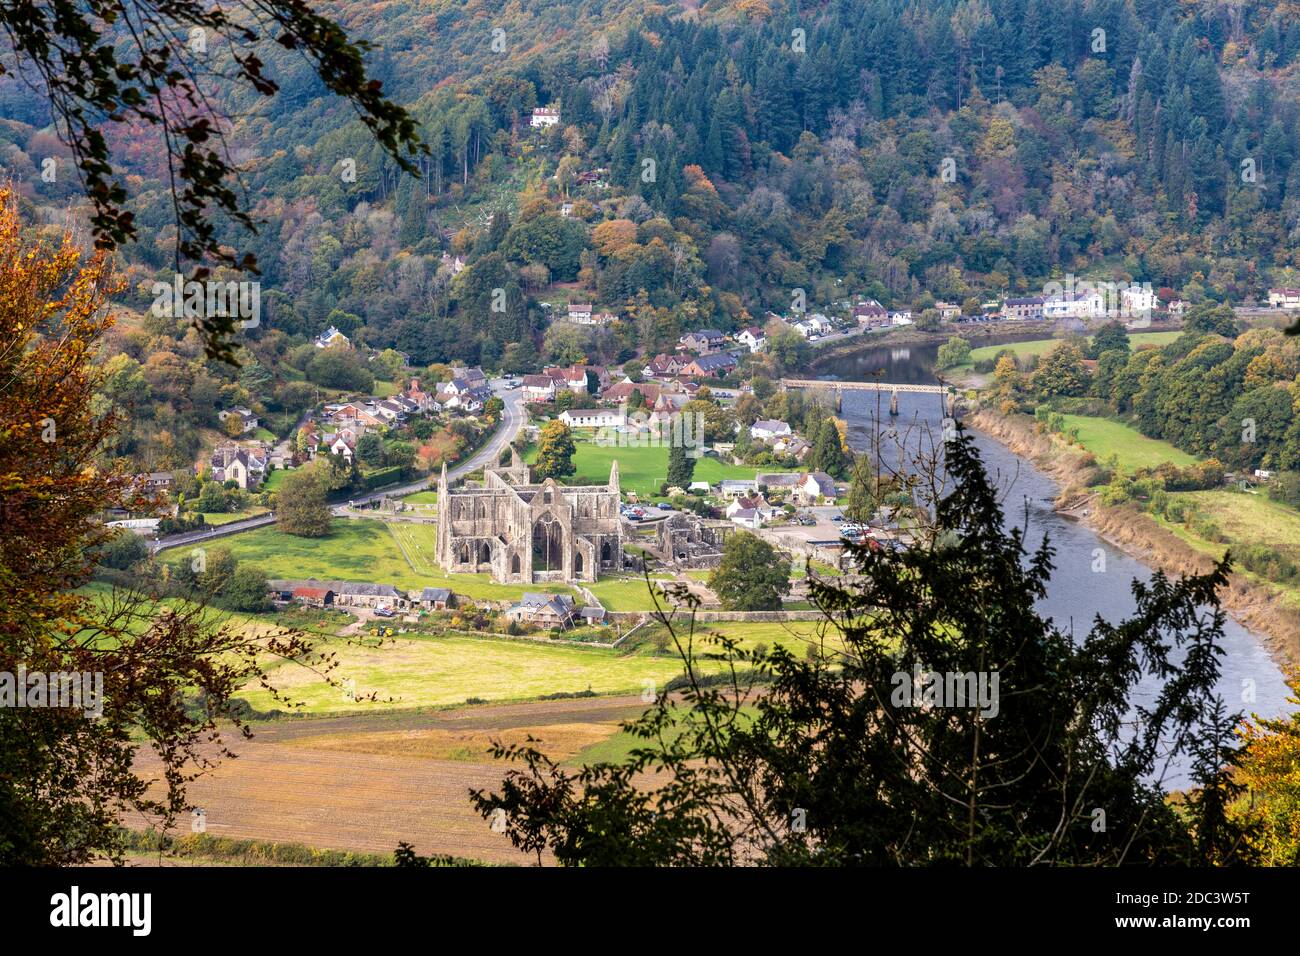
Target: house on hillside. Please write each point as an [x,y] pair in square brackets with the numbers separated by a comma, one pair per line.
[752,338]
[714,365]
[766,429]
[545,117]
[665,366]
[1284,298]
[245,465]
[247,420]
[703,340]
[333,338]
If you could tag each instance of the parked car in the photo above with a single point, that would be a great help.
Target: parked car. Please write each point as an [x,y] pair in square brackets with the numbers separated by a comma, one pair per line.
[837,517]
[665,506]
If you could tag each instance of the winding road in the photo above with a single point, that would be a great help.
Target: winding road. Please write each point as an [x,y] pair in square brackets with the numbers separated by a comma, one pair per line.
[512,421]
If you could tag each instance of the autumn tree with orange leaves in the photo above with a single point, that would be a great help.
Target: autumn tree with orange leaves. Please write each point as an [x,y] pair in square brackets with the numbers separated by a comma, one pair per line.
[168,672]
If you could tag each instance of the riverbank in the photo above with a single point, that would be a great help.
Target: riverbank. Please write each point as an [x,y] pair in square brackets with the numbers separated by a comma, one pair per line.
[1258,606]
[908,335]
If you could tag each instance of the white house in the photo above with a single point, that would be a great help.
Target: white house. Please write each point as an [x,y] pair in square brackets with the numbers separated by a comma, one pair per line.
[814,488]
[947,311]
[753,338]
[1284,298]
[545,116]
[593,417]
[580,312]
[332,337]
[900,318]
[248,421]
[1136,300]
[766,429]
[342,447]
[538,388]
[1079,305]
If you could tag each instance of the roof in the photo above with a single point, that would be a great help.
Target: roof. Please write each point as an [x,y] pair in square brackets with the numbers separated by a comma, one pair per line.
[771,425]
[538,381]
[365,587]
[753,330]
[717,360]
[435,594]
[825,483]
[738,483]
[779,479]
[316,594]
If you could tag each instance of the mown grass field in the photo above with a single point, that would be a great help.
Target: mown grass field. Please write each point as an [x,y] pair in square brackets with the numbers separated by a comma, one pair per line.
[1040,347]
[422,498]
[439,671]
[1105,437]
[218,518]
[361,549]
[625,592]
[641,469]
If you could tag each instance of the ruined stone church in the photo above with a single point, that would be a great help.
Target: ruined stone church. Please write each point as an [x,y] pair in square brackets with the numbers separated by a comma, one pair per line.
[526,533]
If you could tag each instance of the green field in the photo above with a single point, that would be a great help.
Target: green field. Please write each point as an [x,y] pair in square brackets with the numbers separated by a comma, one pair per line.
[793,635]
[361,549]
[1105,437]
[624,593]
[642,469]
[1040,347]
[264,434]
[218,518]
[444,670]
[422,498]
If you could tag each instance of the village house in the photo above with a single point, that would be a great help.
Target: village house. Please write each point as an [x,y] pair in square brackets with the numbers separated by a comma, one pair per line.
[435,599]
[714,365]
[1025,308]
[333,338]
[947,311]
[245,465]
[247,420]
[344,447]
[543,610]
[593,417]
[1136,301]
[621,393]
[806,488]
[1076,305]
[544,116]
[665,366]
[753,338]
[154,482]
[1176,308]
[702,340]
[870,314]
[365,594]
[768,429]
[455,265]
[1284,298]
[580,312]
[731,487]
[422,400]
[903,317]
[791,446]
[467,391]
[815,326]
[574,377]
[756,504]
[538,388]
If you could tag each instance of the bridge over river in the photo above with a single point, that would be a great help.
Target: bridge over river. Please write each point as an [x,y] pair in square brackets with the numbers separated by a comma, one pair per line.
[841,386]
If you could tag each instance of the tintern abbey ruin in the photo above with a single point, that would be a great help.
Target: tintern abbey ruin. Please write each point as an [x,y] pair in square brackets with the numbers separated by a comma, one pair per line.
[525,533]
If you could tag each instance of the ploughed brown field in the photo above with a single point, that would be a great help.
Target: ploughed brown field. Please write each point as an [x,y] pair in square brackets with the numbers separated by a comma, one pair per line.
[366,782]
